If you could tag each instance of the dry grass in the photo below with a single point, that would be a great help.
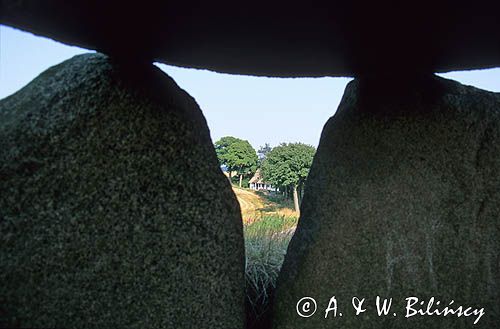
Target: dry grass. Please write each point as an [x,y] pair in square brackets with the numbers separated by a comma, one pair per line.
[268,228]
[257,205]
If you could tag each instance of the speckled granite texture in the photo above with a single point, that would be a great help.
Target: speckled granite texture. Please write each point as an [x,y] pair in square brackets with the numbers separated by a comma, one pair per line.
[403,199]
[113,210]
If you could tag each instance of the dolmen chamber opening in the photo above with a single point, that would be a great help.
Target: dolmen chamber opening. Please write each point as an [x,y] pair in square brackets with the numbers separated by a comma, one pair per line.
[402,201]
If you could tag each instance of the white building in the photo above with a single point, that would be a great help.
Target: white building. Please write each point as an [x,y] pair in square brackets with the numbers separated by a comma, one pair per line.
[257,183]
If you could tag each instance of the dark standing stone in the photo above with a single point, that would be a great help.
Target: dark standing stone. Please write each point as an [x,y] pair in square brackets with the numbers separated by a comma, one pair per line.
[403,199]
[113,210]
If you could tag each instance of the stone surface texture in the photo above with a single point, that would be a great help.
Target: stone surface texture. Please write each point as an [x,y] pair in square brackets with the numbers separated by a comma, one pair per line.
[403,199]
[275,38]
[113,210]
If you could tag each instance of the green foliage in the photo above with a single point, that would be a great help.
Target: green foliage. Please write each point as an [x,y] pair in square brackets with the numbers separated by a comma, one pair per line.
[236,154]
[244,182]
[222,147]
[262,152]
[288,164]
[279,199]
[266,242]
[269,225]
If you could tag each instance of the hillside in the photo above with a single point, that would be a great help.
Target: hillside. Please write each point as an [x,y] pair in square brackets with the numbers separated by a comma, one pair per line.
[255,205]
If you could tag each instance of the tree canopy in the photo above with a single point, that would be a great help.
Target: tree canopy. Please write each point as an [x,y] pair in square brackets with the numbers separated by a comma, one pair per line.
[222,149]
[288,165]
[263,150]
[236,155]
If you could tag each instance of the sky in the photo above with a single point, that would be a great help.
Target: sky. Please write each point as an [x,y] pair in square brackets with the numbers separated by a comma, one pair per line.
[258,109]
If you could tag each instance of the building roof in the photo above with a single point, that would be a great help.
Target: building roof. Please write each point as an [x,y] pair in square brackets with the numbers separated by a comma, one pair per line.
[257,178]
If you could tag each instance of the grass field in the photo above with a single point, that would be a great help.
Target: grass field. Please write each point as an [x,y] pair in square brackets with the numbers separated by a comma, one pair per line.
[269,224]
[257,205]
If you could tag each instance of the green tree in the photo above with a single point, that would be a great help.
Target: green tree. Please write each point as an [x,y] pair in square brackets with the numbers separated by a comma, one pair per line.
[222,148]
[237,155]
[262,152]
[288,165]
